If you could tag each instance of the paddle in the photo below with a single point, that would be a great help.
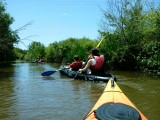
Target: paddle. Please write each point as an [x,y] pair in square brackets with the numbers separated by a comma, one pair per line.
[48,73]
[88,59]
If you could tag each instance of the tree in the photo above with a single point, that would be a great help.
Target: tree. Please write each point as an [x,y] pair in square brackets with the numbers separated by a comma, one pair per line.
[19,53]
[64,51]
[7,36]
[125,19]
[149,56]
[36,51]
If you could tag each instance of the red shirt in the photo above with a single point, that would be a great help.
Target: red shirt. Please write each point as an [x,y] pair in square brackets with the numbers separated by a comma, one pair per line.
[76,64]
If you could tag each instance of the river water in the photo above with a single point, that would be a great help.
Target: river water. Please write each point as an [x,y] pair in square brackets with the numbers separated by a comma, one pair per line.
[25,95]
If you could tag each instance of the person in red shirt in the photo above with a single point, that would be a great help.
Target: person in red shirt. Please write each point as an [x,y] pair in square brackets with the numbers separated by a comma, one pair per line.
[76,65]
[95,64]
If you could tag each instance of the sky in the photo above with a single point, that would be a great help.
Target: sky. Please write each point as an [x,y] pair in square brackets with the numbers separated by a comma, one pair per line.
[55,20]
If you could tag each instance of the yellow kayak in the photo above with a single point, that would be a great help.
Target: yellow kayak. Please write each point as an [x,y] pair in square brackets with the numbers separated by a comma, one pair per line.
[114,105]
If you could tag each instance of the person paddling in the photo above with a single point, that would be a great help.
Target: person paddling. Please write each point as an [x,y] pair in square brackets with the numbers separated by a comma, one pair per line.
[76,64]
[95,64]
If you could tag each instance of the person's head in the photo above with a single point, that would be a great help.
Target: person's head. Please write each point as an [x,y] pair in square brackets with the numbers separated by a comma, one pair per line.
[95,52]
[76,57]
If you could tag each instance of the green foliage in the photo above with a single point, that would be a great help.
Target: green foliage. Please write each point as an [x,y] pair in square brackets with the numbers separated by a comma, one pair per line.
[66,49]
[7,36]
[19,53]
[133,34]
[149,56]
[36,51]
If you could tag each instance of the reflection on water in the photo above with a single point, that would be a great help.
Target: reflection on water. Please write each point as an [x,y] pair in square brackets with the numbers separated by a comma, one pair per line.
[24,94]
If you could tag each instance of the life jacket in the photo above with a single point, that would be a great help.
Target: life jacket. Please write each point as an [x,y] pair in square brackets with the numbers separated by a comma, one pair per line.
[76,65]
[98,67]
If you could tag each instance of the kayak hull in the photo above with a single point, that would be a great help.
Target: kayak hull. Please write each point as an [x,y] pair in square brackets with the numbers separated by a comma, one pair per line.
[112,94]
[74,74]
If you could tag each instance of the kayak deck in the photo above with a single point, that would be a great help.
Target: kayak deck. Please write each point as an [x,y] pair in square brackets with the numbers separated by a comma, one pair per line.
[113,95]
[74,74]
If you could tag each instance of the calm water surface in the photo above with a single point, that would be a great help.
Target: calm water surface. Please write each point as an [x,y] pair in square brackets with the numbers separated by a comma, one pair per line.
[25,95]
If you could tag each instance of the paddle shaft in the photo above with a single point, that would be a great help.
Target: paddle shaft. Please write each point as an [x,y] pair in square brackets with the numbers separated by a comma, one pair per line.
[100,41]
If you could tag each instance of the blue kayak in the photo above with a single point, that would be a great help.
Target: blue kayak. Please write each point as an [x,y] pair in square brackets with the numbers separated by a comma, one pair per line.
[76,75]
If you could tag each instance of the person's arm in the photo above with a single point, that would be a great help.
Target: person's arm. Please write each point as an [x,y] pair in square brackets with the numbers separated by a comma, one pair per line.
[89,63]
[71,65]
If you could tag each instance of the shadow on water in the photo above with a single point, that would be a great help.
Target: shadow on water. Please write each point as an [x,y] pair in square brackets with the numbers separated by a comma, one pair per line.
[6,70]
[48,78]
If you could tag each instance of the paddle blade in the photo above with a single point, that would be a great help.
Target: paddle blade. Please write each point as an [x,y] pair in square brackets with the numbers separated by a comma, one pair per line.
[48,73]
